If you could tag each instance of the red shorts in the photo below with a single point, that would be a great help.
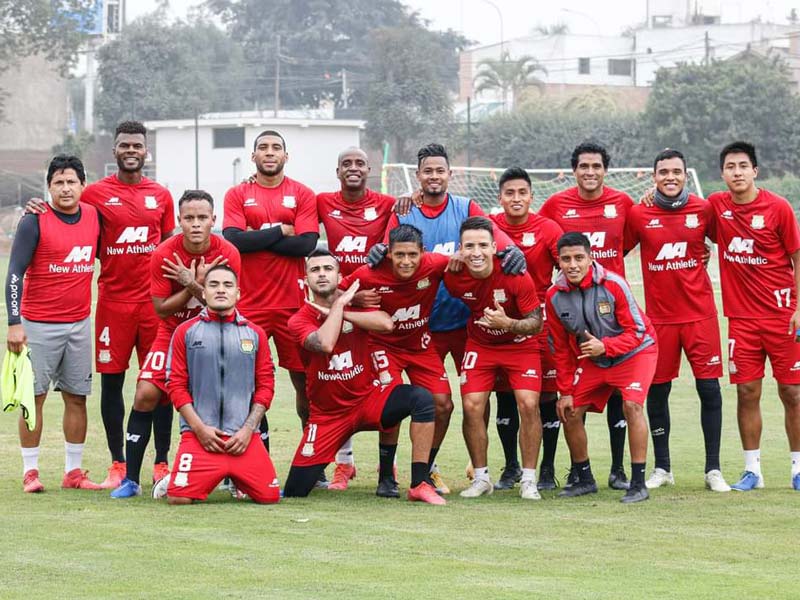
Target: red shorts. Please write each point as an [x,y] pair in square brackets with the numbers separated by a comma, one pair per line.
[751,341]
[483,365]
[275,324]
[154,368]
[452,343]
[197,472]
[632,378]
[423,368]
[698,339]
[549,384]
[118,328]
[325,434]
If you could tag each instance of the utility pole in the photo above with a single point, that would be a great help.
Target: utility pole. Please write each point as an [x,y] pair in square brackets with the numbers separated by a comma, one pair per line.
[708,49]
[277,102]
[344,89]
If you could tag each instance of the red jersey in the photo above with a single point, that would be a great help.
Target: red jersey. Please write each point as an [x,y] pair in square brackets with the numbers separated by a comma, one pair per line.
[135,218]
[537,238]
[756,241]
[353,228]
[409,302]
[339,381]
[161,287]
[516,294]
[677,288]
[271,280]
[601,220]
[58,281]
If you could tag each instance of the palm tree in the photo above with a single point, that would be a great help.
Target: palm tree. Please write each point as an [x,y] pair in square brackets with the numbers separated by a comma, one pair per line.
[508,75]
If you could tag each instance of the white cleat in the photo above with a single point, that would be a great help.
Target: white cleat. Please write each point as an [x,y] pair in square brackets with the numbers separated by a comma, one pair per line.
[529,491]
[715,482]
[479,487]
[160,488]
[658,478]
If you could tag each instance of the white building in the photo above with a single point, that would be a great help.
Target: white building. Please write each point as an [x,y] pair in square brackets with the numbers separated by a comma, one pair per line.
[221,157]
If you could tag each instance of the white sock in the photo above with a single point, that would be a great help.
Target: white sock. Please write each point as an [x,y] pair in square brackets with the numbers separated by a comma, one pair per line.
[482,473]
[73,456]
[345,454]
[752,461]
[528,475]
[30,459]
[795,463]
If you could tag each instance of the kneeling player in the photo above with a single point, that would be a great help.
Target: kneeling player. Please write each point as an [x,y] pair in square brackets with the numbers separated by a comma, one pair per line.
[221,382]
[505,315]
[603,342]
[344,396]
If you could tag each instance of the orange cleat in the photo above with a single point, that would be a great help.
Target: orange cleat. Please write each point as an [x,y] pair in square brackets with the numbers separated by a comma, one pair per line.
[341,476]
[78,480]
[31,483]
[425,492]
[160,470]
[116,473]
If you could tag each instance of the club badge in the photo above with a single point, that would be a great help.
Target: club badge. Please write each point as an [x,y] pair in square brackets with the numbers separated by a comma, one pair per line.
[289,202]
[499,295]
[423,283]
[692,222]
[104,356]
[247,346]
[347,327]
[370,214]
[528,239]
[604,308]
[610,211]
[150,202]
[308,449]
[757,222]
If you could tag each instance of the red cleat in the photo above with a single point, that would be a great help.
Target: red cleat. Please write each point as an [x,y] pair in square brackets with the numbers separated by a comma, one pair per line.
[425,492]
[341,476]
[78,480]
[116,473]
[160,470]
[31,483]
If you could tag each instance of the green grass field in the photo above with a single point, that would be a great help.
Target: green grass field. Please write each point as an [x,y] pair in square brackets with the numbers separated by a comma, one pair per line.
[683,543]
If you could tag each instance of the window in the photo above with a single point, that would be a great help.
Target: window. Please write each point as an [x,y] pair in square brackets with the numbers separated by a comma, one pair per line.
[660,21]
[584,66]
[229,137]
[620,66]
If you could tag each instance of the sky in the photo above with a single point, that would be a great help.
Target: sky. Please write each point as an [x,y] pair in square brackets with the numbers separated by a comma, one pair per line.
[479,20]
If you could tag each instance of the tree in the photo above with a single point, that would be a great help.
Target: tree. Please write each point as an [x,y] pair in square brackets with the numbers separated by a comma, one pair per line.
[698,109]
[159,71]
[508,75]
[555,29]
[408,99]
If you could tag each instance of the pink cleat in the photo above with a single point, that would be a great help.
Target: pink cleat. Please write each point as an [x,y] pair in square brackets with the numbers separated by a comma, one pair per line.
[78,480]
[116,473]
[31,483]
[425,492]
[341,476]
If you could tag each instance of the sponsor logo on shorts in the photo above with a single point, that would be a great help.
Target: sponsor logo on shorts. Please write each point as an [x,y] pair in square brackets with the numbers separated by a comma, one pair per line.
[247,346]
[692,222]
[528,239]
[289,202]
[551,374]
[104,356]
[795,366]
[150,202]
[308,449]
[370,214]
[715,360]
[635,386]
[530,373]
[610,211]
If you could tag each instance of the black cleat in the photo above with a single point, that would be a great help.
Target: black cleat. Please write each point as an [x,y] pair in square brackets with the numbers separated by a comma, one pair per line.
[322,482]
[387,488]
[547,479]
[636,493]
[509,477]
[580,488]
[572,478]
[617,480]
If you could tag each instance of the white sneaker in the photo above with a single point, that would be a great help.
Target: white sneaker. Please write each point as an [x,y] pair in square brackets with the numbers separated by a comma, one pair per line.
[479,487]
[529,491]
[715,482]
[658,478]
[160,488]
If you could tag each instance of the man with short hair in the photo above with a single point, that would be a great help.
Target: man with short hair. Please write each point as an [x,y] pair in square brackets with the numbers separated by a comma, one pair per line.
[177,272]
[599,212]
[221,382]
[759,250]
[48,299]
[505,315]
[344,398]
[680,302]
[603,342]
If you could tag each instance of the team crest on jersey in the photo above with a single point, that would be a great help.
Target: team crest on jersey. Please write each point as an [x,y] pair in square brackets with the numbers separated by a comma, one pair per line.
[604,308]
[347,327]
[385,378]
[104,356]
[499,295]
[150,202]
[370,214]
[308,449]
[528,239]
[289,202]
[247,346]
[423,283]
[610,211]
[757,222]
[692,222]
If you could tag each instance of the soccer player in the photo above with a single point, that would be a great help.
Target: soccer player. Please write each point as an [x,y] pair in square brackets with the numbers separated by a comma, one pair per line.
[221,382]
[48,299]
[537,237]
[680,303]
[505,315]
[602,341]
[599,212]
[344,396]
[759,250]
[273,223]
[407,282]
[177,272]
[136,215]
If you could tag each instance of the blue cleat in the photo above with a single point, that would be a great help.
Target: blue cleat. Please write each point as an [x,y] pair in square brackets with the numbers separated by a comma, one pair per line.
[749,481]
[796,482]
[127,489]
